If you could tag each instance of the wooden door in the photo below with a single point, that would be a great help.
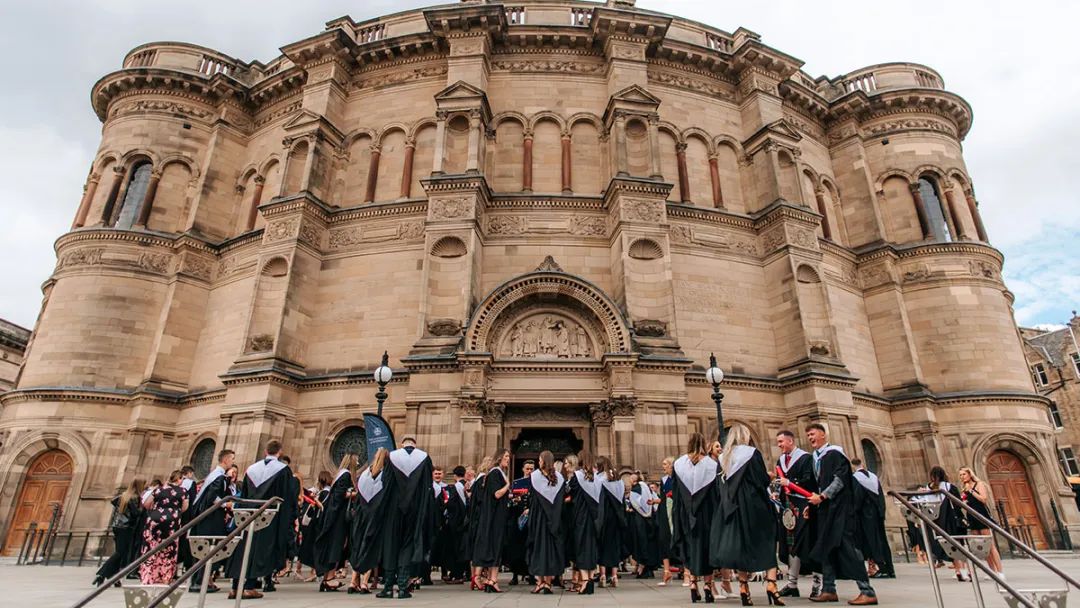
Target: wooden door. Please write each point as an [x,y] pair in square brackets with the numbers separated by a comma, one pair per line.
[1009,484]
[46,484]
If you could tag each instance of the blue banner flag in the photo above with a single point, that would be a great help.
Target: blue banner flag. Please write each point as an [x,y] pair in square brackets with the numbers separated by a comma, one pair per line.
[378,434]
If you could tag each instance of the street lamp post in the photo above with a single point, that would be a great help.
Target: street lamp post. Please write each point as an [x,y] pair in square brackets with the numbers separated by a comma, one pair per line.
[383,373]
[715,376]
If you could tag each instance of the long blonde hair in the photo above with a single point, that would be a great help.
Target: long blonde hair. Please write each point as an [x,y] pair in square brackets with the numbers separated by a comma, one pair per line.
[349,462]
[378,463]
[976,481]
[133,492]
[736,435]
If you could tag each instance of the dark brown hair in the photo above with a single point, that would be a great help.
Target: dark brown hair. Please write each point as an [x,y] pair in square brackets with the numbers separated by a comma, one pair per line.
[547,467]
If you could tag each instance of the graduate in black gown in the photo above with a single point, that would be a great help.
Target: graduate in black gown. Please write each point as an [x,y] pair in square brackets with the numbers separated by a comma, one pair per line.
[410,520]
[951,519]
[310,520]
[546,543]
[743,533]
[475,489]
[613,526]
[366,526]
[663,519]
[213,488]
[127,521]
[695,499]
[333,532]
[455,560]
[516,536]
[870,520]
[587,501]
[265,479]
[567,466]
[492,500]
[439,496]
[642,523]
[797,467]
[834,531]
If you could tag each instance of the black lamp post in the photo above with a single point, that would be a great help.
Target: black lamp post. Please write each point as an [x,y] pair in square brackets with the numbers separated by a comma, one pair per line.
[383,373]
[715,376]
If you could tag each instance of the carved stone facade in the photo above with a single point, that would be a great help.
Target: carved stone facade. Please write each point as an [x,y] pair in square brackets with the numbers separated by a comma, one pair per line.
[549,228]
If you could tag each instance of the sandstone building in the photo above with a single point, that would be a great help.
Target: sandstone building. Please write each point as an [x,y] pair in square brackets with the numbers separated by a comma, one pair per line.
[549,214]
[13,339]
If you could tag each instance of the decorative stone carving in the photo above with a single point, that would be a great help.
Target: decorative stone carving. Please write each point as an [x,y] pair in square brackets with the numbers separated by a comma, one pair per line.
[588,225]
[281,230]
[681,233]
[650,328]
[392,75]
[409,231]
[600,413]
[444,327]
[261,343]
[549,265]
[697,85]
[547,336]
[747,247]
[872,277]
[546,414]
[155,262]
[773,240]
[560,66]
[196,267]
[820,347]
[909,124]
[919,273]
[450,208]
[488,411]
[645,249]
[623,405]
[506,224]
[803,238]
[345,237]
[310,233]
[85,256]
[979,268]
[643,210]
[160,105]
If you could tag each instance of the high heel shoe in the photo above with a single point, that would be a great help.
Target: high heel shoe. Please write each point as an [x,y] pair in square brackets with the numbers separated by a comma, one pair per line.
[546,590]
[98,580]
[773,594]
[325,587]
[536,590]
[695,595]
[667,578]
[613,581]
[709,599]
[587,588]
[744,593]
[473,585]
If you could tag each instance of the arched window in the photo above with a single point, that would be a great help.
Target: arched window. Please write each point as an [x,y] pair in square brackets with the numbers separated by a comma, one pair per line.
[935,209]
[351,439]
[138,181]
[202,459]
[871,456]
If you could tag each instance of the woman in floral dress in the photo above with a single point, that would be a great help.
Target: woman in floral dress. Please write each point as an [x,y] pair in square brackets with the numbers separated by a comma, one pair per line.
[163,509]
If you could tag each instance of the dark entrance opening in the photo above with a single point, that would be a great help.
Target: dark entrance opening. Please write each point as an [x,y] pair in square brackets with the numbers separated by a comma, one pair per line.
[530,442]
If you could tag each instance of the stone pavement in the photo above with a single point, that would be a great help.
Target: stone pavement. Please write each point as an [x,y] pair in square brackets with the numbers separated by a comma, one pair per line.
[60,587]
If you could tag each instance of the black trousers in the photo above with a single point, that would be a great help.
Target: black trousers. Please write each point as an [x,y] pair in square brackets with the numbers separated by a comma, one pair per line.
[122,556]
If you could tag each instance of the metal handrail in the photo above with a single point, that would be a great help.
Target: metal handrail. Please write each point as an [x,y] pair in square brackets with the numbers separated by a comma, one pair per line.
[224,542]
[993,525]
[174,537]
[959,546]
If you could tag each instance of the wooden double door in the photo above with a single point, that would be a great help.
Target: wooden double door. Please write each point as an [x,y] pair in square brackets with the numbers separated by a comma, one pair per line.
[46,484]
[1011,488]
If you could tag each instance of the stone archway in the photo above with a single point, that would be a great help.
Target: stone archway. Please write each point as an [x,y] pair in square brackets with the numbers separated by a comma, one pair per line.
[1012,492]
[44,487]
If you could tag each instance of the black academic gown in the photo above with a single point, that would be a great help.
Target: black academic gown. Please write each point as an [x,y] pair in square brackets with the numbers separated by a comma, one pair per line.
[614,525]
[366,525]
[270,544]
[951,519]
[333,532]
[456,548]
[491,520]
[663,518]
[695,499]
[800,541]
[568,520]
[545,551]
[514,551]
[410,518]
[438,515]
[743,536]
[870,520]
[643,526]
[214,488]
[834,518]
[587,501]
[311,530]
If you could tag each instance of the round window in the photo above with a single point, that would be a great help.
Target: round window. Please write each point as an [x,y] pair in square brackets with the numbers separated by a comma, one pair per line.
[202,459]
[351,439]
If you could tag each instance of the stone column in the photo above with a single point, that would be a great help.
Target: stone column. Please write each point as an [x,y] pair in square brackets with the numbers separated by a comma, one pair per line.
[148,199]
[309,163]
[920,210]
[473,165]
[440,143]
[256,198]
[406,172]
[621,165]
[567,185]
[973,207]
[84,204]
[684,177]
[601,422]
[114,192]
[654,146]
[950,200]
[527,163]
[822,208]
[774,164]
[714,175]
[373,175]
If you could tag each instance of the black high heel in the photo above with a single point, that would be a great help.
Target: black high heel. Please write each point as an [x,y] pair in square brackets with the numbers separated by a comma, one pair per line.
[744,593]
[546,590]
[587,588]
[773,594]
[99,580]
[709,599]
[325,587]
[695,595]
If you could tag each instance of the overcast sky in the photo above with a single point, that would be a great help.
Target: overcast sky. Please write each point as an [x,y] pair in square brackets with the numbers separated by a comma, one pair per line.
[1013,61]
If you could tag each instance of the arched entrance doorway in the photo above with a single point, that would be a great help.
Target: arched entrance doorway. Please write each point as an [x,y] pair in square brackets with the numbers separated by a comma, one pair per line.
[530,442]
[46,484]
[1012,492]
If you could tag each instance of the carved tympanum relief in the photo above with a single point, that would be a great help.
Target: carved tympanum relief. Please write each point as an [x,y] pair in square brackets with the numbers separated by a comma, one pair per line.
[547,336]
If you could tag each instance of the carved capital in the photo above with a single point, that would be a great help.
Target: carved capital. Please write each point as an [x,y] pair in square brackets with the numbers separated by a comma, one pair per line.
[487,410]
[600,413]
[623,405]
[680,147]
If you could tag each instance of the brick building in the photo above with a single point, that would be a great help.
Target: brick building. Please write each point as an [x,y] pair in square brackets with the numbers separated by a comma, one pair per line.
[549,214]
